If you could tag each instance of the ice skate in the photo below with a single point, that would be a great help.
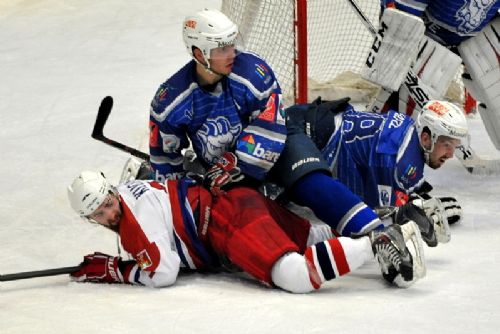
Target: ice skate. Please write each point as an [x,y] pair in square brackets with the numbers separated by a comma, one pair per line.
[399,265]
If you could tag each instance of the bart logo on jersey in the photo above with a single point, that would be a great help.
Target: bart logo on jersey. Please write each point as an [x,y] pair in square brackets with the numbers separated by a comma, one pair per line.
[143,259]
[247,145]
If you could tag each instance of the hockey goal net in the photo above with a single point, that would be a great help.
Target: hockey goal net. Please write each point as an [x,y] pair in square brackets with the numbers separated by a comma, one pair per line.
[326,60]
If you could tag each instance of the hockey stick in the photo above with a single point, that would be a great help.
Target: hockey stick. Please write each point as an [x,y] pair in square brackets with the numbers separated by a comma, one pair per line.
[97,132]
[471,161]
[39,273]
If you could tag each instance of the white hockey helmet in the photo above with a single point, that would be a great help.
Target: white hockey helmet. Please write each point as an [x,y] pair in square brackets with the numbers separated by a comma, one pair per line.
[442,118]
[208,29]
[88,191]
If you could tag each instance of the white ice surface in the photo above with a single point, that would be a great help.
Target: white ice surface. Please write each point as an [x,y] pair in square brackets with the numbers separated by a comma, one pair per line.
[58,59]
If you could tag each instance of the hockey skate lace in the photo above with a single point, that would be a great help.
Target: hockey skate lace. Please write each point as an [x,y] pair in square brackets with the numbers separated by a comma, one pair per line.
[390,254]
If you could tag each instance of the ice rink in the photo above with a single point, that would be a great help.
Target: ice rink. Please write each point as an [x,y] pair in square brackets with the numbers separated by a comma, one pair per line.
[58,59]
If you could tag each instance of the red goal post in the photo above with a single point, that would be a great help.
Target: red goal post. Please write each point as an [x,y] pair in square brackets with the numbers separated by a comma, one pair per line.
[315,47]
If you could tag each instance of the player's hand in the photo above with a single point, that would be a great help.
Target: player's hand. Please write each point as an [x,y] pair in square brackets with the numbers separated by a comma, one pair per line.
[449,206]
[452,210]
[224,172]
[99,268]
[437,213]
[425,223]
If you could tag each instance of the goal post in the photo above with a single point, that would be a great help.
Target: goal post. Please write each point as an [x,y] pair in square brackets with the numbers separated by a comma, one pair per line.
[315,47]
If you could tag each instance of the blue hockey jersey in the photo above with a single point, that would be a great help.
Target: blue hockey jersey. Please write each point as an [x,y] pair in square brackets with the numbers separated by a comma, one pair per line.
[243,114]
[377,156]
[449,21]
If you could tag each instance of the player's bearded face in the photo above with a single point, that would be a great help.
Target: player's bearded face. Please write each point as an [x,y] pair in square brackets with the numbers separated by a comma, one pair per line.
[444,149]
[108,213]
[222,59]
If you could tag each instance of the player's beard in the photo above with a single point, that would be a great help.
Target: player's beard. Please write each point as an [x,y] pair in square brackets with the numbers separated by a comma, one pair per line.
[115,224]
[435,164]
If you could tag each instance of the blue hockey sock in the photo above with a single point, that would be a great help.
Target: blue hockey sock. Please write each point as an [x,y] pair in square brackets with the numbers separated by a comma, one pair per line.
[333,203]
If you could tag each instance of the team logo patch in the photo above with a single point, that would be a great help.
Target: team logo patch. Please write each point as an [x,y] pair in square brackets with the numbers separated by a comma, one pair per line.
[143,259]
[384,195]
[401,198]
[161,94]
[171,143]
[269,114]
[472,14]
[438,108]
[190,24]
[410,172]
[216,137]
[261,70]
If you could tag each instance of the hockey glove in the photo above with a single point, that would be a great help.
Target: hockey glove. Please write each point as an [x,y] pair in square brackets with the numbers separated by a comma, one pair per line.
[99,268]
[224,172]
[436,212]
[410,211]
[452,210]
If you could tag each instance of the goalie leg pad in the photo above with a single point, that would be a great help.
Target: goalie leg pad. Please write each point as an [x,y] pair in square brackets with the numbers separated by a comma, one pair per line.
[435,67]
[394,48]
[481,56]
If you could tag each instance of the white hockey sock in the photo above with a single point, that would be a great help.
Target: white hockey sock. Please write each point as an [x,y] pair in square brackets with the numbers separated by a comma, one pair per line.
[321,262]
[336,257]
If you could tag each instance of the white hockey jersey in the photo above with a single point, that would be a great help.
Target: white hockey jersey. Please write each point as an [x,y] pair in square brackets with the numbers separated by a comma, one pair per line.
[158,229]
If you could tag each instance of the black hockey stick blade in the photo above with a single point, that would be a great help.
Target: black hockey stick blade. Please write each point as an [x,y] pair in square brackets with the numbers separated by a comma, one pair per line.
[98,131]
[102,117]
[39,273]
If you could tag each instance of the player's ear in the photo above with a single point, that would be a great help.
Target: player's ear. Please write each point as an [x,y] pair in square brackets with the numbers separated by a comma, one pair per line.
[198,55]
[425,139]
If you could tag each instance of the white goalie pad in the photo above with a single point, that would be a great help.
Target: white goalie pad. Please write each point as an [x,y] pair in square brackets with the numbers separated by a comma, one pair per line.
[480,55]
[394,49]
[436,67]
[413,240]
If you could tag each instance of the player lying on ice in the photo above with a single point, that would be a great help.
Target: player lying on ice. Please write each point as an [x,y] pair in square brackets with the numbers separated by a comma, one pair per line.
[381,157]
[178,224]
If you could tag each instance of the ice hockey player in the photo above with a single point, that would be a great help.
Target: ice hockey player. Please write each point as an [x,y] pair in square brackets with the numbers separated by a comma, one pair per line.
[227,104]
[381,157]
[446,34]
[178,224]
